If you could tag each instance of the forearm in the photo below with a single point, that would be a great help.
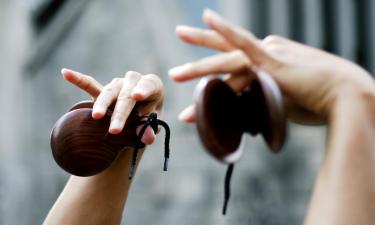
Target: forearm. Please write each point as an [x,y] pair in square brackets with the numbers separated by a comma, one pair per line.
[344,192]
[94,200]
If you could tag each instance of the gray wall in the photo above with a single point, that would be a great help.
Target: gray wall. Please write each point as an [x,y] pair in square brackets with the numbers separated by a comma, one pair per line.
[108,39]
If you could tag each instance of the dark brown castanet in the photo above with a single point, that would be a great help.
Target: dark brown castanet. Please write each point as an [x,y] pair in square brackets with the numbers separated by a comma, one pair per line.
[82,145]
[223,116]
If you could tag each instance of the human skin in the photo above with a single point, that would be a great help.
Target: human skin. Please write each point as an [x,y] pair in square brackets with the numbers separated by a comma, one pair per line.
[319,88]
[100,199]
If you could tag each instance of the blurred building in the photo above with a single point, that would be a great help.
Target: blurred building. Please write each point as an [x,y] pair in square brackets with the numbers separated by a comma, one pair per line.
[108,38]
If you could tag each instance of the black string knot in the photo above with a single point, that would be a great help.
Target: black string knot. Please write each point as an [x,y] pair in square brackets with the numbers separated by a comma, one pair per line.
[154,123]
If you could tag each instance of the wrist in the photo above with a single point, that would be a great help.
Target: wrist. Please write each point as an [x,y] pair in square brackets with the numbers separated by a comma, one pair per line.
[356,102]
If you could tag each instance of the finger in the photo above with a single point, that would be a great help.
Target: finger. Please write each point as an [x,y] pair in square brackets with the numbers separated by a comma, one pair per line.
[148,137]
[239,81]
[229,62]
[202,37]
[82,81]
[188,114]
[125,103]
[149,87]
[240,38]
[106,97]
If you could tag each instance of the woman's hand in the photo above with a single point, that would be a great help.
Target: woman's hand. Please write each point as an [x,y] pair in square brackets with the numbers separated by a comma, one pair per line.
[134,87]
[312,81]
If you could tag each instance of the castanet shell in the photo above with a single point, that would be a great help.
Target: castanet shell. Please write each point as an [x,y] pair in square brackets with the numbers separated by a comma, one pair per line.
[222,116]
[82,146]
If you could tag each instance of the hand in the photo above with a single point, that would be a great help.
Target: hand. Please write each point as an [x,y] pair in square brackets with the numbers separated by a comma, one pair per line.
[148,90]
[311,80]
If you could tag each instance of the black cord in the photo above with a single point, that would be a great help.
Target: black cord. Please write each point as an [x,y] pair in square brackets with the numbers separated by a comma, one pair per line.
[136,149]
[153,122]
[166,143]
[228,177]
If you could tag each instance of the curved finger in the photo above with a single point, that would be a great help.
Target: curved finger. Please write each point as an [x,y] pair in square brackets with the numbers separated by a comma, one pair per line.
[239,81]
[106,97]
[229,62]
[240,38]
[149,87]
[125,103]
[188,114]
[148,137]
[203,37]
[82,81]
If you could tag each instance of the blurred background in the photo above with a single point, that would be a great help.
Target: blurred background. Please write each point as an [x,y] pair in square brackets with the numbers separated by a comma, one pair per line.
[107,38]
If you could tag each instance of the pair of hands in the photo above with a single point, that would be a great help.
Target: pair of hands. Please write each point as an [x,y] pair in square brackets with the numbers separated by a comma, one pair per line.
[312,81]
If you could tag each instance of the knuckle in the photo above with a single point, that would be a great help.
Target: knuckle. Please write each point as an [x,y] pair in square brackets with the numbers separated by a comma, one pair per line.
[238,54]
[271,39]
[153,79]
[123,97]
[108,88]
[132,75]
[275,48]
[116,80]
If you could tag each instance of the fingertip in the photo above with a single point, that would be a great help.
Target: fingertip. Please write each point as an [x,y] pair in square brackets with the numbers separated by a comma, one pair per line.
[183,30]
[148,137]
[116,126]
[180,29]
[207,15]
[187,120]
[187,115]
[210,17]
[64,70]
[114,131]
[178,73]
[138,96]
[97,115]
[68,74]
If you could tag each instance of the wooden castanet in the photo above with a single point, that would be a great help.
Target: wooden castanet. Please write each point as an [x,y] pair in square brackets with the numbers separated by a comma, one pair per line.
[223,115]
[82,146]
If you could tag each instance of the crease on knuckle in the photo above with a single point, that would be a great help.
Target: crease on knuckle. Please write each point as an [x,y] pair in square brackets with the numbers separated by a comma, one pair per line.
[108,89]
[124,97]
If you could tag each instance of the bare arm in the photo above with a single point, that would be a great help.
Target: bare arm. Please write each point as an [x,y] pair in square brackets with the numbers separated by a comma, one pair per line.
[344,191]
[95,200]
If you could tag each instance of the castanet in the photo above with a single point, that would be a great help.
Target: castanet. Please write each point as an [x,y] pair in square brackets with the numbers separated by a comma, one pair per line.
[223,116]
[82,145]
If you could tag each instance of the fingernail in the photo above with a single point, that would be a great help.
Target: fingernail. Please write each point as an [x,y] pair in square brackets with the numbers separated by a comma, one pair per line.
[68,74]
[183,29]
[64,70]
[98,112]
[115,126]
[179,70]
[209,13]
[185,114]
[137,91]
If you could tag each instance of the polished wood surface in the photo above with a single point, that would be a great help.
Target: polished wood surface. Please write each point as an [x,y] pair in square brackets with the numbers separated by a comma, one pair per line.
[82,146]
[223,115]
